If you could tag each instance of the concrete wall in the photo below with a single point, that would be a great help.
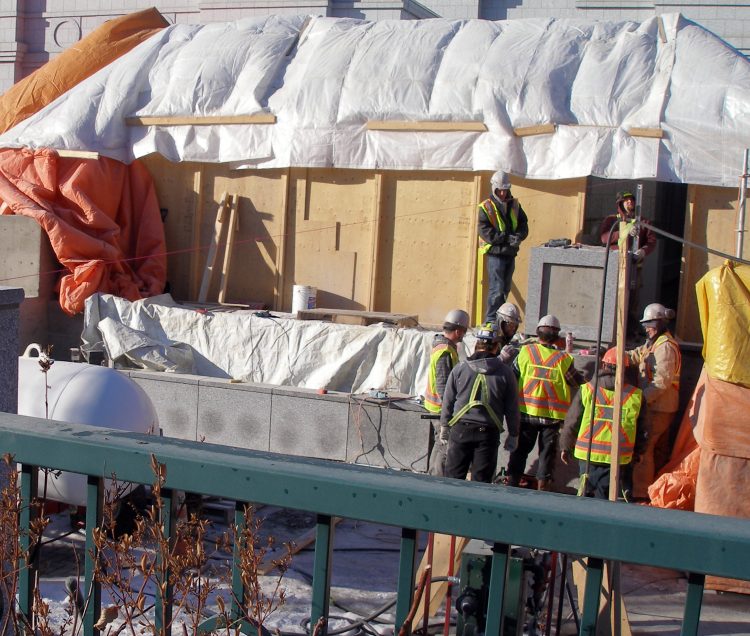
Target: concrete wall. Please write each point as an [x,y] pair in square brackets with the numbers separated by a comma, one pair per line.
[294,421]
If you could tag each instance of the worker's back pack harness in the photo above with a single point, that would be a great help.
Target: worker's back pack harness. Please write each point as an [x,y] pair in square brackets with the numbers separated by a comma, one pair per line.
[480,386]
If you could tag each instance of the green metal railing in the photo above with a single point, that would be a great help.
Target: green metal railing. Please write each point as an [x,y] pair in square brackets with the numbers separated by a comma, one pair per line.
[694,543]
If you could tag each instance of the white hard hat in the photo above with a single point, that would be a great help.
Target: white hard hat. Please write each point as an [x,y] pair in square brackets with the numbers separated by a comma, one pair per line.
[657,311]
[508,312]
[549,321]
[500,181]
[457,317]
[487,333]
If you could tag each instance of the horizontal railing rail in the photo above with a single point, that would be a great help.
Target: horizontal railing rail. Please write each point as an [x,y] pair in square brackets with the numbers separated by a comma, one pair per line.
[694,543]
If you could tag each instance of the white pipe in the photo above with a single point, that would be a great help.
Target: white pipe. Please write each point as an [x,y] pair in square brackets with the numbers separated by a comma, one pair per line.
[742,205]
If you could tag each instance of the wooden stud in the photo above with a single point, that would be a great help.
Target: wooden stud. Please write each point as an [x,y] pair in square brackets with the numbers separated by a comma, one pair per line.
[281,248]
[654,133]
[188,120]
[78,154]
[375,242]
[539,129]
[232,228]
[687,289]
[475,289]
[195,255]
[427,126]
[213,248]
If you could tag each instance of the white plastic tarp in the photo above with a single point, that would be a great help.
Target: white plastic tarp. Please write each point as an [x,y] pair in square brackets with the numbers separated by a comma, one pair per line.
[325,78]
[158,334]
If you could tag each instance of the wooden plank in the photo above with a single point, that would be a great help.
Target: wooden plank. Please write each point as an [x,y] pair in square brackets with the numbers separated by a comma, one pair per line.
[539,129]
[78,154]
[189,120]
[440,566]
[375,233]
[213,248]
[426,126]
[232,228]
[655,133]
[368,317]
[475,275]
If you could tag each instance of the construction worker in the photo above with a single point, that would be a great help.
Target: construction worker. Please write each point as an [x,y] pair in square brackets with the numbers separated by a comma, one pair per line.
[546,376]
[480,393]
[646,245]
[508,319]
[443,357]
[586,413]
[502,227]
[659,362]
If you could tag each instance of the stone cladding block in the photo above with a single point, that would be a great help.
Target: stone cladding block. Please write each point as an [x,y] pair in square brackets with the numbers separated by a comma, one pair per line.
[175,398]
[235,414]
[10,300]
[308,424]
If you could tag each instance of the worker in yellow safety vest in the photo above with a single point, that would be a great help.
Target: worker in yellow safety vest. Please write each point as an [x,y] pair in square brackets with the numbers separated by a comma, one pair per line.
[480,398]
[502,225]
[545,378]
[659,365]
[588,424]
[443,357]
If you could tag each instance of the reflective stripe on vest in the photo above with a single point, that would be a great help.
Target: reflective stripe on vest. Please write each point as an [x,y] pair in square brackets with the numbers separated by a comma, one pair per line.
[668,340]
[496,220]
[601,447]
[542,390]
[480,384]
[432,401]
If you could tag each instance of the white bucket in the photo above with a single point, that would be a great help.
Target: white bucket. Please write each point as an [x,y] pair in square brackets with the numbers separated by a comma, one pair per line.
[303,297]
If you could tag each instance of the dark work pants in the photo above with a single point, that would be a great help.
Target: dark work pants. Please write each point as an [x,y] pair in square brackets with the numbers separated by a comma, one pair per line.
[547,434]
[597,485]
[500,274]
[472,446]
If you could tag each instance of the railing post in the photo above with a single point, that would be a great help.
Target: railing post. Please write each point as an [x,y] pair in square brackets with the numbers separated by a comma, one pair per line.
[407,567]
[321,590]
[93,593]
[593,591]
[498,574]
[693,601]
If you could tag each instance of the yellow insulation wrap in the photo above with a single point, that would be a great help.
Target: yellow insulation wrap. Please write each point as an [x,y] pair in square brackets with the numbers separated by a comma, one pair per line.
[724,308]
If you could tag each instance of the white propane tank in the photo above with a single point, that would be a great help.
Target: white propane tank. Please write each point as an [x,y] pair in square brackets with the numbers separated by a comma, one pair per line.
[81,394]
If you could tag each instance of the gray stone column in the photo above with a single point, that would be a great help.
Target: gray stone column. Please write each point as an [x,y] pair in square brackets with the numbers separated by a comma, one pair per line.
[10,300]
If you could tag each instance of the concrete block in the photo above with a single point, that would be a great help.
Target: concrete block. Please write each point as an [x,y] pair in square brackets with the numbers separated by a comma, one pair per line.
[388,435]
[235,414]
[307,424]
[175,398]
[10,299]
[568,284]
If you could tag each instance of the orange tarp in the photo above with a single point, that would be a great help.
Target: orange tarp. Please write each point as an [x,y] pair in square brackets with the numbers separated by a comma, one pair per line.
[92,53]
[102,218]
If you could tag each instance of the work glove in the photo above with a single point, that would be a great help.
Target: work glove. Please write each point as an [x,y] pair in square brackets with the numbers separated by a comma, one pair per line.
[633,231]
[508,353]
[511,443]
[445,433]
[639,255]
[514,240]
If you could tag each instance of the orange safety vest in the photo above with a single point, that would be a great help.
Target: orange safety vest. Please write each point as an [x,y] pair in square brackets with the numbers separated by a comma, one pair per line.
[601,446]
[542,390]
[496,220]
[432,401]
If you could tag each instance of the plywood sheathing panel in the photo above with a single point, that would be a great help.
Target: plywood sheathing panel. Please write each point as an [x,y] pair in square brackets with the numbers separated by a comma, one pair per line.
[711,219]
[427,245]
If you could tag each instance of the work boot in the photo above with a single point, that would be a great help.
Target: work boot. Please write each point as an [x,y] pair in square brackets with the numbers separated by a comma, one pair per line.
[545,484]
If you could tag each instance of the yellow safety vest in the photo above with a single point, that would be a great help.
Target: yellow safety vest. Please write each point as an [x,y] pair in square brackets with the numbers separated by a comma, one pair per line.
[432,401]
[490,209]
[601,447]
[480,385]
[660,341]
[542,390]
